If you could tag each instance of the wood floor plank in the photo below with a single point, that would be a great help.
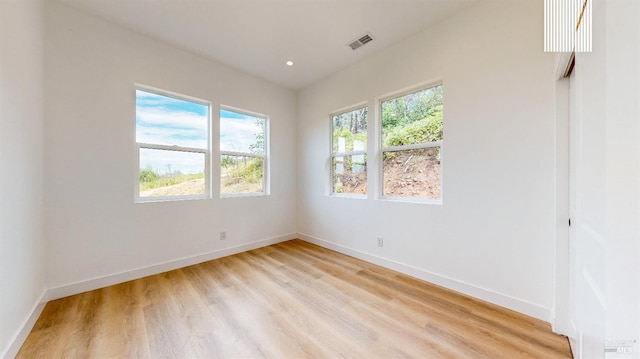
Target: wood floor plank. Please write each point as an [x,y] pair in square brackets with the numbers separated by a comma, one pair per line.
[289,300]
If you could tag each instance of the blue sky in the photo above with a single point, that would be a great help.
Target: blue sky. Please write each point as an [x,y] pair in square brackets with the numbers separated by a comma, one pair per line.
[168,121]
[173,122]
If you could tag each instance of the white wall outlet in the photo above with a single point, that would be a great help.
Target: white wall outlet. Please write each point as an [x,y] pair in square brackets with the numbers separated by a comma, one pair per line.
[223,236]
[380,242]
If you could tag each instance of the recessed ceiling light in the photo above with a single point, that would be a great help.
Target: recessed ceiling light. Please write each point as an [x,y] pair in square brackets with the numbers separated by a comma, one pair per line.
[289,63]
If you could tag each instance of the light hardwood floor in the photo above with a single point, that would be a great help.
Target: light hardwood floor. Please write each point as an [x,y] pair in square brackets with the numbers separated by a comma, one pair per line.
[289,300]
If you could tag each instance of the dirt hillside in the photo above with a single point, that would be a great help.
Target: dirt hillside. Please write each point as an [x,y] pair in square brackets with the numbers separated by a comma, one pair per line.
[414,174]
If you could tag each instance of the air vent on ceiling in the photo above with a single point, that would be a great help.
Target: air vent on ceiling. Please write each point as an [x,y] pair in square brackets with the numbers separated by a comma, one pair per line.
[361,41]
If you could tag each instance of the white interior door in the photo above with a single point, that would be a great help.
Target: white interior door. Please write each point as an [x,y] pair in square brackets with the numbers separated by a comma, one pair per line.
[587,249]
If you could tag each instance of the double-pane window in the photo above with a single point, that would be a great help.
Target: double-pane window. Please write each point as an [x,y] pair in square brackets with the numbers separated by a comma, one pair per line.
[172,139]
[412,134]
[243,153]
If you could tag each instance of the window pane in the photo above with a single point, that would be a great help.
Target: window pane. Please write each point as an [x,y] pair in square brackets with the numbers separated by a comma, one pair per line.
[171,173]
[241,174]
[241,133]
[168,121]
[350,174]
[413,118]
[350,131]
[412,173]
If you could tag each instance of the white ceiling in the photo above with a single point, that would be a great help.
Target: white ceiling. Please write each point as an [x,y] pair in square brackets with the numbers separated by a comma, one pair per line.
[258,36]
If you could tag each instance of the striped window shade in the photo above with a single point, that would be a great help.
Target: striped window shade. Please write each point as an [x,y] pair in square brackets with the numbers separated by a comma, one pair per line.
[567,25]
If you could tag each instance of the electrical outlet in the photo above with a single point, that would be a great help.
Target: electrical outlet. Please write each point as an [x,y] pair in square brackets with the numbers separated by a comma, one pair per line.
[380,242]
[223,236]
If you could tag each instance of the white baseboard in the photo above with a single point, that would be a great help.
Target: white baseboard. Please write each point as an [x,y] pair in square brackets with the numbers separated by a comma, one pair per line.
[105,281]
[575,341]
[21,335]
[503,300]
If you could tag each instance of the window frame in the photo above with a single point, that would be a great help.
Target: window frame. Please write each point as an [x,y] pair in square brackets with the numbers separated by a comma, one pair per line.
[416,146]
[265,156]
[333,155]
[174,148]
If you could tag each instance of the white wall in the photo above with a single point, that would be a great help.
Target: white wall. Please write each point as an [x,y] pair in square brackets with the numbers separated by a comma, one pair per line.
[21,149]
[609,208]
[493,235]
[622,168]
[94,229]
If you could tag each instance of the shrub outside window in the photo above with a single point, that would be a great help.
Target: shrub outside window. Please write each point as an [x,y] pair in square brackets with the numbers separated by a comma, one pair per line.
[172,141]
[243,153]
[349,152]
[412,137]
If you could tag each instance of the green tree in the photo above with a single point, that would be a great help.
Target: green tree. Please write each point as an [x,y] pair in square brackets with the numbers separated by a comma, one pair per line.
[148,175]
[226,161]
[258,146]
[352,126]
[413,118]
[401,111]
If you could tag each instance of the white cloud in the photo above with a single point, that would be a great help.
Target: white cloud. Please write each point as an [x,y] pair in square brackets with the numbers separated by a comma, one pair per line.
[161,126]
[238,134]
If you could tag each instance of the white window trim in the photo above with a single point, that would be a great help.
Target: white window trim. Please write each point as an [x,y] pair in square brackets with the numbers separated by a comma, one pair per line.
[205,151]
[415,146]
[265,156]
[333,155]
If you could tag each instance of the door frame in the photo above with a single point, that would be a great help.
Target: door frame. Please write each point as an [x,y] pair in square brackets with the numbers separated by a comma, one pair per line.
[560,310]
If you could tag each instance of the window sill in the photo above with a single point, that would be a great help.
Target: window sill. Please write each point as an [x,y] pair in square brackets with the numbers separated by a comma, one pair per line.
[348,195]
[411,200]
[242,195]
[169,199]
